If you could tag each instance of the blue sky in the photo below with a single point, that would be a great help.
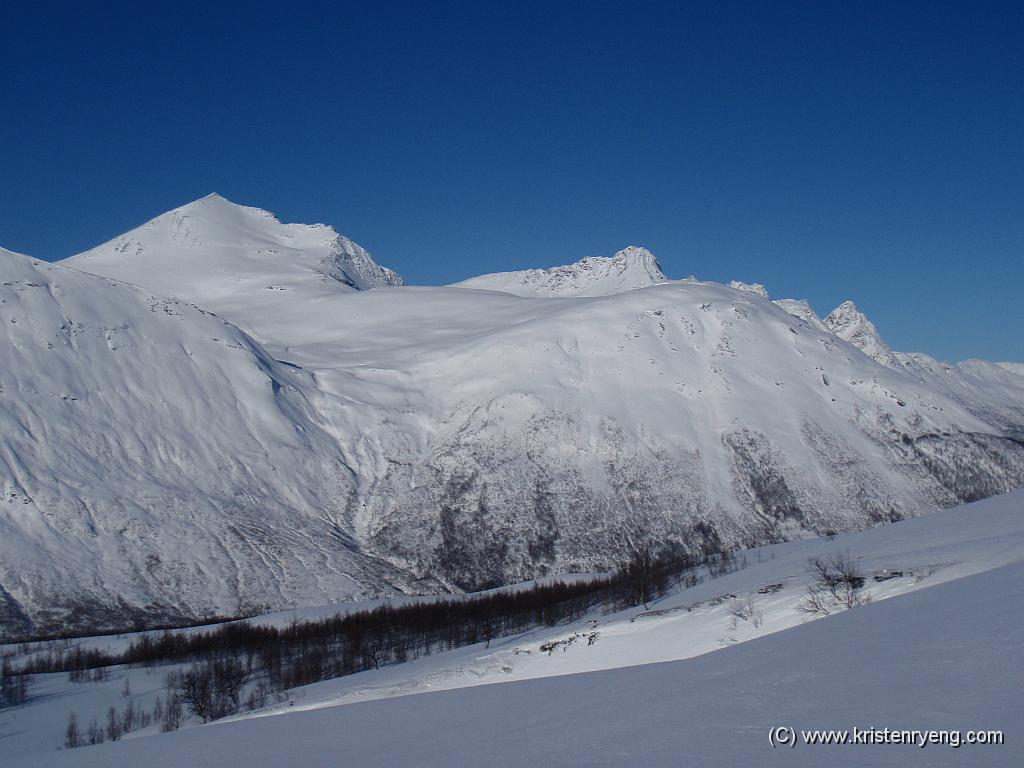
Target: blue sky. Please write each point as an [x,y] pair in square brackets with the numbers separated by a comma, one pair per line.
[862,150]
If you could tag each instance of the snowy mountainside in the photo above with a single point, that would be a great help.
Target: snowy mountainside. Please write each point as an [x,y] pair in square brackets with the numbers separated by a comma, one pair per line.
[802,309]
[630,268]
[693,413]
[237,261]
[437,438]
[992,391]
[156,463]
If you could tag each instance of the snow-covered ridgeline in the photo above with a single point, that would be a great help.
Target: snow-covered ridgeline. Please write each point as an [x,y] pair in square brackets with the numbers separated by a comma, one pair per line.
[314,440]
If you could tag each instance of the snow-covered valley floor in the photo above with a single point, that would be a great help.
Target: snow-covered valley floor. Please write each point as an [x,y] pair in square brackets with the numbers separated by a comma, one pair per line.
[683,682]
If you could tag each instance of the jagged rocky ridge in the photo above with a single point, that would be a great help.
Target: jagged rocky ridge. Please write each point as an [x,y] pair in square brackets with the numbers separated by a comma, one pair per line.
[275,434]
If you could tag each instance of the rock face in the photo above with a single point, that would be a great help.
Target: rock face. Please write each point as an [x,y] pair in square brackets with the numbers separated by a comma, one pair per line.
[315,440]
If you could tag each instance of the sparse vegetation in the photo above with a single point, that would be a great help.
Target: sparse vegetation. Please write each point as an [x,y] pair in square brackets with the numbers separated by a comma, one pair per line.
[837,584]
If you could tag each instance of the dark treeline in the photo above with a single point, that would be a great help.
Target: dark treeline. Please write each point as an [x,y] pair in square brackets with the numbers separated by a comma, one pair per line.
[14,683]
[309,651]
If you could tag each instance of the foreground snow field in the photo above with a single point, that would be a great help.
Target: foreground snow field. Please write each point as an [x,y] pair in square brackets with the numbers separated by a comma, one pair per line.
[940,647]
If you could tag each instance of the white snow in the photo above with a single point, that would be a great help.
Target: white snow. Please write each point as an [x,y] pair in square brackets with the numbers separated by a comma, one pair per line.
[850,324]
[630,268]
[302,445]
[937,648]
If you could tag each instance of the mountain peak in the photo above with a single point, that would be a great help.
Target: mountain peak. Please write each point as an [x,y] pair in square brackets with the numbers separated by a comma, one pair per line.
[233,259]
[632,267]
[636,254]
[850,324]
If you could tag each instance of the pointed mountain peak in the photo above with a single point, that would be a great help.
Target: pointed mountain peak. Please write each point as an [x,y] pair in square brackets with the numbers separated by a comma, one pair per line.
[850,324]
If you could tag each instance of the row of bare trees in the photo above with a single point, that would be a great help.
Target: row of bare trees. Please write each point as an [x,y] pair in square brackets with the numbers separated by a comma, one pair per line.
[14,683]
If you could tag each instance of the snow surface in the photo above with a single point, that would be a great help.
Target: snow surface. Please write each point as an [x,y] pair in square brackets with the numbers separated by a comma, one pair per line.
[237,261]
[311,443]
[802,309]
[940,647]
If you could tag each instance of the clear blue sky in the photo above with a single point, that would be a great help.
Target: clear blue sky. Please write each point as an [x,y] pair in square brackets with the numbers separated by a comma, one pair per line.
[872,151]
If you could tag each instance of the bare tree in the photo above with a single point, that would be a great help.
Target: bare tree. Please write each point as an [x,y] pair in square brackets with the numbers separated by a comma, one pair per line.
[172,713]
[114,729]
[197,691]
[13,684]
[212,690]
[72,738]
[95,732]
[837,584]
[129,718]
[745,609]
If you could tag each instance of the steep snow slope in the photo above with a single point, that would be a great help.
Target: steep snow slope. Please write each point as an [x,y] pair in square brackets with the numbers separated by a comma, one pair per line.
[155,462]
[944,656]
[630,268]
[549,432]
[992,391]
[802,309]
[239,262]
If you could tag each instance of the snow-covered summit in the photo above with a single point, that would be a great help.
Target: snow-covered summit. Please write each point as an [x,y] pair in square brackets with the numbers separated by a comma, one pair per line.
[632,267]
[234,259]
[850,324]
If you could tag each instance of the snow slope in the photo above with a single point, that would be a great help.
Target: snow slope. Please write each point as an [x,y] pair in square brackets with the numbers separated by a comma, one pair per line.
[684,678]
[237,261]
[156,462]
[428,438]
[992,391]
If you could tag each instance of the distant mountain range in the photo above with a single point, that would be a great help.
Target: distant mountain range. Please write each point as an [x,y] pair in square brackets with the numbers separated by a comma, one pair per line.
[217,412]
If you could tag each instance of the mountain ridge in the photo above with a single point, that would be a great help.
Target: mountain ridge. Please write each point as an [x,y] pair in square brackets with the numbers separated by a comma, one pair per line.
[321,442]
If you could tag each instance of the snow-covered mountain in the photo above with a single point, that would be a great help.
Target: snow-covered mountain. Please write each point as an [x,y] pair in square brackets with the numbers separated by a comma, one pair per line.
[630,268]
[156,462]
[993,392]
[318,442]
[850,324]
[237,261]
